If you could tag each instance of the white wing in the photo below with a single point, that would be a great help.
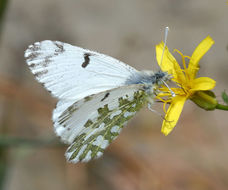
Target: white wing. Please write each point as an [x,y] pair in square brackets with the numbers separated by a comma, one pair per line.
[70,72]
[92,123]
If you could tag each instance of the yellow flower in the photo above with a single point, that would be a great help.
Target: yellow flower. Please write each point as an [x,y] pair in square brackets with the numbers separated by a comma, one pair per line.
[184,78]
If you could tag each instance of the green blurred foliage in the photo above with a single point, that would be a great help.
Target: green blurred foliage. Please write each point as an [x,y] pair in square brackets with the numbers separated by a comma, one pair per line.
[225,97]
[3,7]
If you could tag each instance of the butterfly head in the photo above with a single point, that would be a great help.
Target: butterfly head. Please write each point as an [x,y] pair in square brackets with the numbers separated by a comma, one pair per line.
[160,77]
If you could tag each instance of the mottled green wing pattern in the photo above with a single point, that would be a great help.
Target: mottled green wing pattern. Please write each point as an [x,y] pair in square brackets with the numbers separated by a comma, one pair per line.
[101,118]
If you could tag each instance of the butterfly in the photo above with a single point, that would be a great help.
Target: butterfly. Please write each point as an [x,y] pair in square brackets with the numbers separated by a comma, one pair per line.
[96,94]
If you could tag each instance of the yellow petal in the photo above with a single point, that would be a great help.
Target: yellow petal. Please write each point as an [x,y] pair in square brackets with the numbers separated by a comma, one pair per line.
[199,52]
[169,63]
[203,83]
[173,114]
[166,92]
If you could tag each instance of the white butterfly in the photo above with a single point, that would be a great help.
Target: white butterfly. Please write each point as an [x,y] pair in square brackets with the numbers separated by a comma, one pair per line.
[97,94]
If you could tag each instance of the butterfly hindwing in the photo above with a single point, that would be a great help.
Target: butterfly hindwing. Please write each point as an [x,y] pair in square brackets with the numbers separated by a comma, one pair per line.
[91,124]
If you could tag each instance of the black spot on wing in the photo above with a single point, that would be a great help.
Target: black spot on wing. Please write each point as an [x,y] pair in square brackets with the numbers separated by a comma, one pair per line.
[34,47]
[88,98]
[47,60]
[32,51]
[60,49]
[106,96]
[40,73]
[32,56]
[86,60]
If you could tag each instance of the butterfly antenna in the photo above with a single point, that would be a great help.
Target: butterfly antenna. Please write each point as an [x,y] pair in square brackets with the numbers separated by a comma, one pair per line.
[165,43]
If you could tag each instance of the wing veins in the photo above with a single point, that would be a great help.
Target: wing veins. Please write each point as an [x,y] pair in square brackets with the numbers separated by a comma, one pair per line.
[90,142]
[107,128]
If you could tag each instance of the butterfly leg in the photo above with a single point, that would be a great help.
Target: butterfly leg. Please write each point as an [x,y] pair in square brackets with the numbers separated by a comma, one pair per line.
[156,112]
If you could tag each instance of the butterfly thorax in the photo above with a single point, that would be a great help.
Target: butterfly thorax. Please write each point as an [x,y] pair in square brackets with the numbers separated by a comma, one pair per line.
[151,80]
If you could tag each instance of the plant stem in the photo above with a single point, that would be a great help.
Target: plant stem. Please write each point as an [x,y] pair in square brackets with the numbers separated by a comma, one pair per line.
[221,107]
[9,141]
[3,6]
[3,167]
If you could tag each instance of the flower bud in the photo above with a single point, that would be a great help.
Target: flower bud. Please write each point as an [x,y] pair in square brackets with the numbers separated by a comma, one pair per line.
[205,99]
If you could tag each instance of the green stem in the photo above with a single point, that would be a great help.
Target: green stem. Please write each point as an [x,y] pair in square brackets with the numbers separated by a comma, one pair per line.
[221,107]
[3,167]
[9,141]
[3,6]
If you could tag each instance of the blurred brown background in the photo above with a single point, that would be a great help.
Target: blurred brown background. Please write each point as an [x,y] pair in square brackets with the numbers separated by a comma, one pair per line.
[193,156]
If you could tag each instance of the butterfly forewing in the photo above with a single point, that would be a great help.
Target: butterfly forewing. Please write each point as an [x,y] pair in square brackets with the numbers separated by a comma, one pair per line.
[91,124]
[70,72]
